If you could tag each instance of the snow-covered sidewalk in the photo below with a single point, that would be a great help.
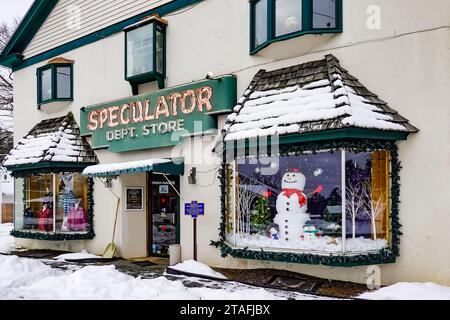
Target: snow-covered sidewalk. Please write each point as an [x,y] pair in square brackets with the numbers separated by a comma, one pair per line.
[22,278]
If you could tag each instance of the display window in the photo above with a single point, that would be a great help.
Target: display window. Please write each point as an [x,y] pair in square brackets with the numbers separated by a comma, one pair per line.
[53,203]
[329,202]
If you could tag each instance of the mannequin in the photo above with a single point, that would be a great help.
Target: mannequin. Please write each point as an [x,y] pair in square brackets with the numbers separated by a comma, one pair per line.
[46,217]
[77,220]
[66,198]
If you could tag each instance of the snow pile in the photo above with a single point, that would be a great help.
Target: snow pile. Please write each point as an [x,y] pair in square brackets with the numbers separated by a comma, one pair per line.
[324,244]
[194,267]
[6,241]
[114,168]
[16,272]
[77,256]
[60,146]
[409,291]
[279,112]
[32,280]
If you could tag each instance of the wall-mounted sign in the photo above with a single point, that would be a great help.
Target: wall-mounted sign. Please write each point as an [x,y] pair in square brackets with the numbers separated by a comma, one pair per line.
[134,198]
[158,119]
[194,209]
[164,189]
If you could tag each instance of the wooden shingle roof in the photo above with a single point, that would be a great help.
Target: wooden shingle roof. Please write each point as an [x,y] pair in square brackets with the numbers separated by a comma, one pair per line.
[56,140]
[314,96]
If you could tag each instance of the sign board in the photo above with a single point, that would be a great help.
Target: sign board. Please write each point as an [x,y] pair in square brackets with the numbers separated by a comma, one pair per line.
[163,189]
[134,198]
[160,118]
[194,209]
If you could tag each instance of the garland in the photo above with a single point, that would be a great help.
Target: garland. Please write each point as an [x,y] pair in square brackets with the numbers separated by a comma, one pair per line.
[63,236]
[354,145]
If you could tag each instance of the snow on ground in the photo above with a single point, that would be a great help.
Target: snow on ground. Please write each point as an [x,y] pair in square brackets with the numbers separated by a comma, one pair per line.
[22,278]
[198,268]
[409,291]
[6,241]
[77,256]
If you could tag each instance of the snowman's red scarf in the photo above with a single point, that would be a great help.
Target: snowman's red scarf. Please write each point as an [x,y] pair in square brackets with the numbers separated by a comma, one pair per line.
[301,196]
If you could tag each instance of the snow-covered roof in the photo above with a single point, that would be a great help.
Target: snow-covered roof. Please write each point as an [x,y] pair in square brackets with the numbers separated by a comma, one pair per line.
[314,96]
[111,169]
[52,140]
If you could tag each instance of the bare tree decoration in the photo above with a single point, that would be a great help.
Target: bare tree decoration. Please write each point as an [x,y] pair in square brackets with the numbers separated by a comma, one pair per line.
[374,207]
[354,202]
[245,198]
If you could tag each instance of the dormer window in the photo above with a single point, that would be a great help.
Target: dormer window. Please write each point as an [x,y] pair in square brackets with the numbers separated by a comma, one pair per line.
[55,81]
[276,20]
[145,52]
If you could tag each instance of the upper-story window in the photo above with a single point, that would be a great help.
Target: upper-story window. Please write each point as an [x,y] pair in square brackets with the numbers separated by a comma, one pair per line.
[274,20]
[145,52]
[55,81]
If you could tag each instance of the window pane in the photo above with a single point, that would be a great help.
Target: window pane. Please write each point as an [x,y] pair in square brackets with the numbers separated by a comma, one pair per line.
[367,184]
[287,16]
[159,51]
[140,50]
[260,27]
[46,84]
[72,201]
[63,83]
[292,203]
[324,14]
[36,210]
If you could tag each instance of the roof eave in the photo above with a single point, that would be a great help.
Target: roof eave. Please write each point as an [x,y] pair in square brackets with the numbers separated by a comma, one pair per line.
[27,29]
[331,135]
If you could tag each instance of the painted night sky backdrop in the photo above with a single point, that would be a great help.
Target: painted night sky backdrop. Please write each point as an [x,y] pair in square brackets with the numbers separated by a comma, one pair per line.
[330,176]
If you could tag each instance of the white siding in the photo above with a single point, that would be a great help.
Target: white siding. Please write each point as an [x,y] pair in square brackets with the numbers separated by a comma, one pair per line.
[94,15]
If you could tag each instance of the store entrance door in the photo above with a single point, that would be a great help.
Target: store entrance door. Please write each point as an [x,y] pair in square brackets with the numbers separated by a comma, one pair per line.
[163,214]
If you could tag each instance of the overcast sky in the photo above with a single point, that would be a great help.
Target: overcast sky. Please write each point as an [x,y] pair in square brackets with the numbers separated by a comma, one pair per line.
[9,9]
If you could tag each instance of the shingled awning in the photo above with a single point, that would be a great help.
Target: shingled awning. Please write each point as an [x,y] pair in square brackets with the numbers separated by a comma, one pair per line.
[316,96]
[53,143]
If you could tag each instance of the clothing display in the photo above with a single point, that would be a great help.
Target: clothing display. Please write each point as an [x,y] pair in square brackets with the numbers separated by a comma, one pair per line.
[77,220]
[46,218]
[28,219]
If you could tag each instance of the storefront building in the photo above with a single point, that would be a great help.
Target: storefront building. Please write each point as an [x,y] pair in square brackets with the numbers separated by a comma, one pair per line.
[314,138]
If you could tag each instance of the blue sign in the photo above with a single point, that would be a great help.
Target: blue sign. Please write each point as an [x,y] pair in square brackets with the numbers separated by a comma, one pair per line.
[194,209]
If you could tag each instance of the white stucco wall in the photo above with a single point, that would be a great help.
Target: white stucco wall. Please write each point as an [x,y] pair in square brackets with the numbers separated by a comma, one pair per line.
[406,63]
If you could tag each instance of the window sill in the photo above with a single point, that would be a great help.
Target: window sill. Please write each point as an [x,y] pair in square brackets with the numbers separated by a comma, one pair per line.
[319,258]
[54,105]
[140,79]
[50,236]
[291,36]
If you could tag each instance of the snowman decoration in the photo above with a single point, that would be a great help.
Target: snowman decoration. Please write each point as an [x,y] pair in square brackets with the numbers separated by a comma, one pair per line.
[292,204]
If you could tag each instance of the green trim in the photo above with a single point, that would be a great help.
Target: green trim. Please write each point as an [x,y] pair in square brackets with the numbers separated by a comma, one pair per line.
[93,37]
[29,26]
[153,75]
[307,24]
[50,236]
[54,85]
[383,256]
[46,167]
[328,135]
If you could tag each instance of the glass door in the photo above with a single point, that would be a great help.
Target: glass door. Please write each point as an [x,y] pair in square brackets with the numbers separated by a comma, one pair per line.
[163,215]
